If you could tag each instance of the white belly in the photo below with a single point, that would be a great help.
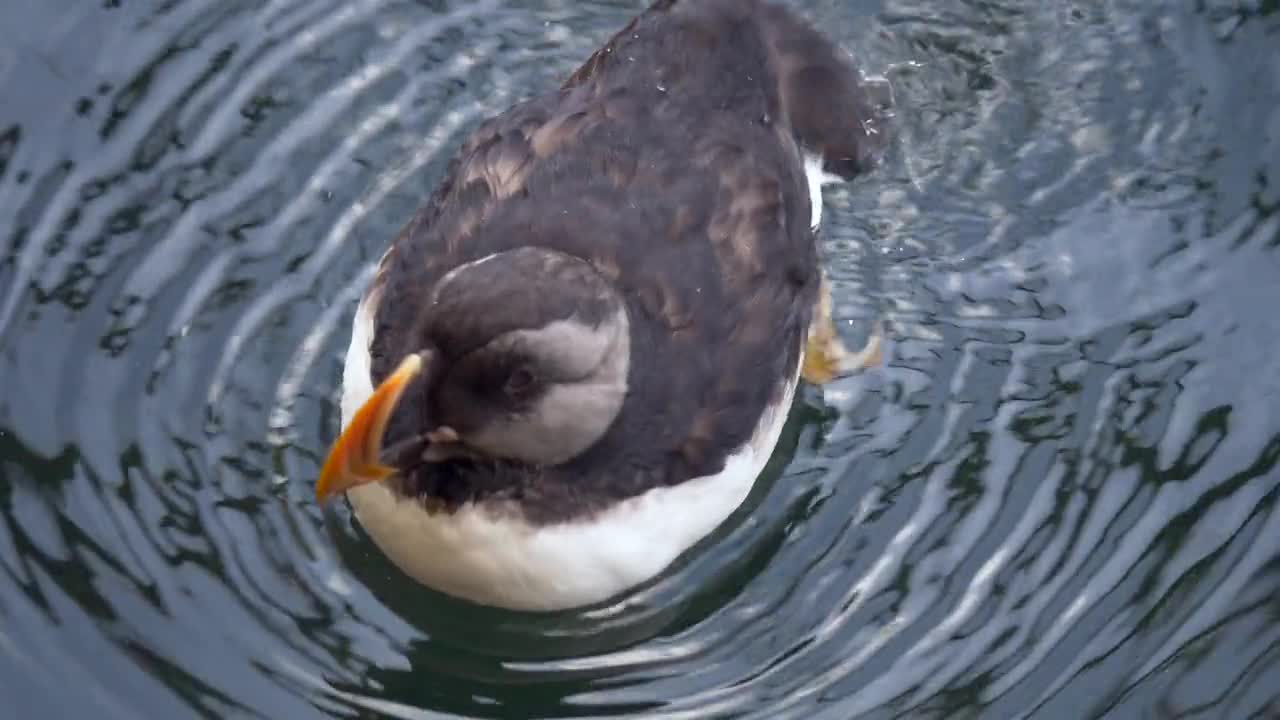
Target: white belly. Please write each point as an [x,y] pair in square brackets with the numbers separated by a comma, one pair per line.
[495,558]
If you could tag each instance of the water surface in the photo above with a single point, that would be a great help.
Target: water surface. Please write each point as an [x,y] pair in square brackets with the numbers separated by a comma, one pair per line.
[1058,499]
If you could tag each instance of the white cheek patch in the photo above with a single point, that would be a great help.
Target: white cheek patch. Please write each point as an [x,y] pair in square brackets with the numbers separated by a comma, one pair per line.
[573,348]
[575,411]
[570,408]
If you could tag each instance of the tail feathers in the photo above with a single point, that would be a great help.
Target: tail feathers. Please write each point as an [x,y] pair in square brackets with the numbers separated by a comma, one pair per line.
[831,109]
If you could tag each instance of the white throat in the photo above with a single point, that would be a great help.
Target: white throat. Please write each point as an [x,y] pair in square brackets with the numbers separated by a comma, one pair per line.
[485,555]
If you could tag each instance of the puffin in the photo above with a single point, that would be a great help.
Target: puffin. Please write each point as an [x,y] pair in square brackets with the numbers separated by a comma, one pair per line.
[574,360]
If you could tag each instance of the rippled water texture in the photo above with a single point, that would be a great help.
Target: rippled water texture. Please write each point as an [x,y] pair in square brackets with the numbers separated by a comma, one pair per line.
[1057,500]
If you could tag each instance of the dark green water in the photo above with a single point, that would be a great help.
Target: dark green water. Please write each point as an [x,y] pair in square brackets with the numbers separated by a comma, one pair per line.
[1057,500]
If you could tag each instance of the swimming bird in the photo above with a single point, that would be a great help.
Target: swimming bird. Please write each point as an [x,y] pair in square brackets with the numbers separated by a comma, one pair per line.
[575,359]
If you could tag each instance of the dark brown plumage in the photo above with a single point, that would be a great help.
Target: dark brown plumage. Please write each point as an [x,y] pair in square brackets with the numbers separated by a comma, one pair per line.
[671,162]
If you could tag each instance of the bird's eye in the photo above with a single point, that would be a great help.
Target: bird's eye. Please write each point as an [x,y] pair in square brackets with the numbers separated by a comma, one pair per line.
[519,382]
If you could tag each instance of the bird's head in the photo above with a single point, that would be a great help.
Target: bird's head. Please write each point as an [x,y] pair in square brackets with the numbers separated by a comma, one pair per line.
[520,356]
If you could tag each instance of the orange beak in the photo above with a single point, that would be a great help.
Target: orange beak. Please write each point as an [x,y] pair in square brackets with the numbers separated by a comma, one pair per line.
[354,459]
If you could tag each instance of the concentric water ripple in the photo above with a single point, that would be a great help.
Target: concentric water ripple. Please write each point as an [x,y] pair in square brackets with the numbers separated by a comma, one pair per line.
[1058,499]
